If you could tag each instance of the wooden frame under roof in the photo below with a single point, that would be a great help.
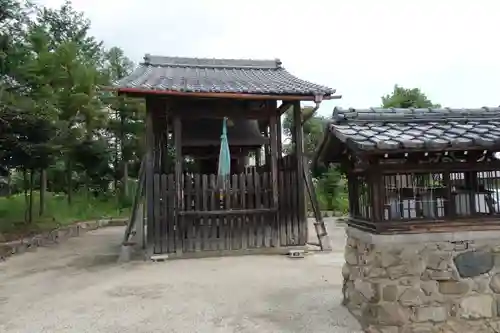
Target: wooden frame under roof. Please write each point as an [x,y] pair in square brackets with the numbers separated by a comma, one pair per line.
[415,170]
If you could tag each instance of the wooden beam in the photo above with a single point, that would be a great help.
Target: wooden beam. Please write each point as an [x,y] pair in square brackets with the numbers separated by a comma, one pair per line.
[274,172]
[284,107]
[144,92]
[227,212]
[150,141]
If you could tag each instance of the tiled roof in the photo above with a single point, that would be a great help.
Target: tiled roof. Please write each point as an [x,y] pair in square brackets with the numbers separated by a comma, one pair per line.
[410,129]
[218,76]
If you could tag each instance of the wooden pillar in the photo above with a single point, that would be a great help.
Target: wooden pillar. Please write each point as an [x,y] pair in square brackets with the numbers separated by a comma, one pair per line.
[273,137]
[267,146]
[178,182]
[279,131]
[377,195]
[150,141]
[299,156]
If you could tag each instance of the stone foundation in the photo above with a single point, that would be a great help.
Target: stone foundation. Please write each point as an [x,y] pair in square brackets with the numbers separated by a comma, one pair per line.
[439,282]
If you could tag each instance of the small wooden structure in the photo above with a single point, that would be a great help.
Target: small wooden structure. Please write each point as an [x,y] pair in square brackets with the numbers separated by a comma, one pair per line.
[414,170]
[187,210]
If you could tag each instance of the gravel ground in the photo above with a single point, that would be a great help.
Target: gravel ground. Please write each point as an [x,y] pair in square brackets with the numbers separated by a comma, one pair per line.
[78,287]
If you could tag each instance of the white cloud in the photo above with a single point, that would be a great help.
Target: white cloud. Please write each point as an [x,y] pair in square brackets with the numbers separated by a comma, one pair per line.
[448,48]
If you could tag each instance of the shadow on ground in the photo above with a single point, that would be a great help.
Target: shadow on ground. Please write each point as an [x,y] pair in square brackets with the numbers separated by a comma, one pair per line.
[78,287]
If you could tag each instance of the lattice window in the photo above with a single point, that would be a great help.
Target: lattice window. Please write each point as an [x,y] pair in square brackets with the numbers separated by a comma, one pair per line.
[414,196]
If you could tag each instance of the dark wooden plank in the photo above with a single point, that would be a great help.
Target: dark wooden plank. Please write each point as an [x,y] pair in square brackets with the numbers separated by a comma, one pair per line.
[157,216]
[205,244]
[214,219]
[233,212]
[189,226]
[251,222]
[178,181]
[291,209]
[198,198]
[235,220]
[164,213]
[171,228]
[283,209]
[243,222]
[296,217]
[259,219]
[267,220]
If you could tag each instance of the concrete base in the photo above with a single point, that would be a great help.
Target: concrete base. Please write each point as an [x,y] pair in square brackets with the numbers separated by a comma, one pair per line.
[440,282]
[125,253]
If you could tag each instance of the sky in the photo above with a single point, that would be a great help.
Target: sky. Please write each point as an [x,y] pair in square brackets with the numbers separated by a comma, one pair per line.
[362,48]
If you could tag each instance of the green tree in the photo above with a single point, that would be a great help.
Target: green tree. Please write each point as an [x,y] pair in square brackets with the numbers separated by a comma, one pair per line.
[313,131]
[407,98]
[126,121]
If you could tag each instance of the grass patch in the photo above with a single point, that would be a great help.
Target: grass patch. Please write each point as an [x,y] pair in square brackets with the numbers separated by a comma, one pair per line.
[57,212]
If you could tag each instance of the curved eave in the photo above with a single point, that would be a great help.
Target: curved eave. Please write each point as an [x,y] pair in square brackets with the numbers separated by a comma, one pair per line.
[143,91]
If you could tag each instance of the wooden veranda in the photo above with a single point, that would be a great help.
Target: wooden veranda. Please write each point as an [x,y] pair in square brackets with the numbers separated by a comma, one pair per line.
[263,204]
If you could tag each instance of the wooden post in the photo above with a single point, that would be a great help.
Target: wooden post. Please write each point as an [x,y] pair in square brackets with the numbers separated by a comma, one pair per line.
[267,147]
[299,156]
[150,141]
[279,131]
[273,136]
[377,194]
[178,180]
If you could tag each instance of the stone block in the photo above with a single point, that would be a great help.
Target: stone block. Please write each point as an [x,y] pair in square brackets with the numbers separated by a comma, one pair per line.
[429,287]
[439,275]
[481,285]
[375,272]
[453,287]
[420,328]
[473,263]
[391,293]
[433,314]
[439,261]
[387,314]
[476,307]
[382,329]
[351,256]
[412,297]
[495,283]
[388,259]
[346,271]
[368,290]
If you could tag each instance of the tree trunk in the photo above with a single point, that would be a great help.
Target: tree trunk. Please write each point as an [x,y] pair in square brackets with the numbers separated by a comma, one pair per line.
[9,183]
[125,179]
[25,190]
[43,191]
[31,202]
[69,180]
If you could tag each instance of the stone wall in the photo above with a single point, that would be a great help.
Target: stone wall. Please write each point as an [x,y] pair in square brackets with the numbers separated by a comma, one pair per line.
[55,236]
[439,282]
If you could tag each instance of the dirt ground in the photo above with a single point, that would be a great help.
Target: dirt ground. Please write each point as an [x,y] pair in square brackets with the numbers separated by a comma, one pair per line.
[77,286]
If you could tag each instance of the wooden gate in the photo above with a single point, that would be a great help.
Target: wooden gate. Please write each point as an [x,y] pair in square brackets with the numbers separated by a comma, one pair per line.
[239,217]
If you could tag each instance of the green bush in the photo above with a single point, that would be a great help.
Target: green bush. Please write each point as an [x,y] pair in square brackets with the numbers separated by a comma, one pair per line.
[58,211]
[331,190]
